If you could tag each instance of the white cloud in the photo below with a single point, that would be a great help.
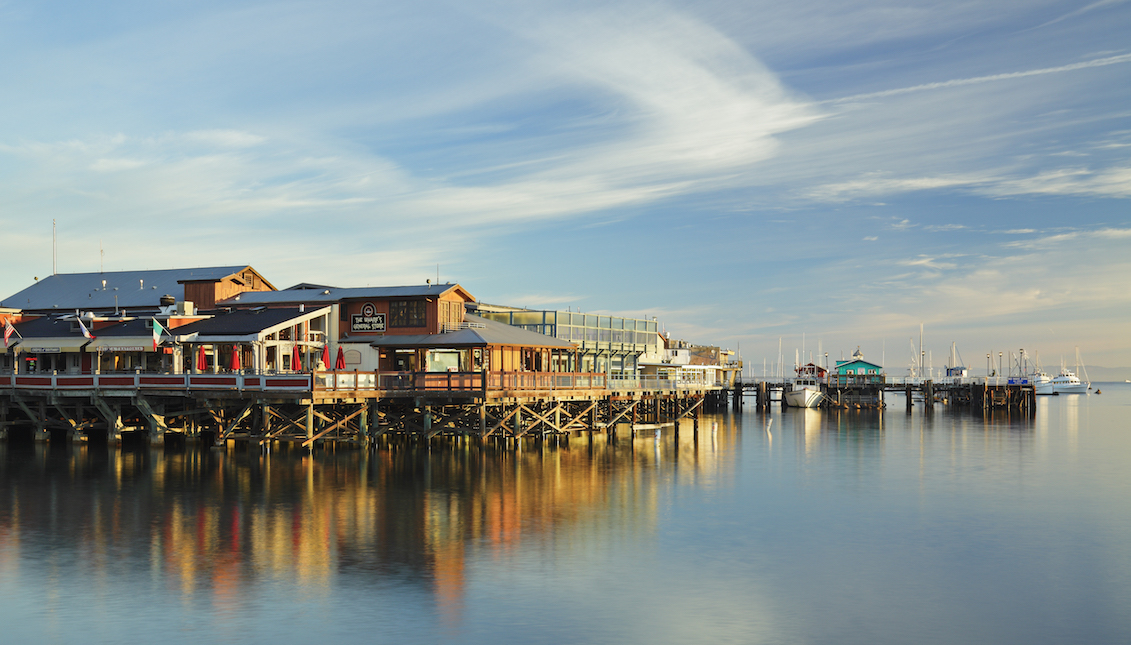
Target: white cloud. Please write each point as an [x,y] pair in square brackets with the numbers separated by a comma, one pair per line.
[1110,182]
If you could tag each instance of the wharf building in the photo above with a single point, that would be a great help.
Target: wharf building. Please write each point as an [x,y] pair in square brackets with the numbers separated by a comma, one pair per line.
[605,343]
[131,351]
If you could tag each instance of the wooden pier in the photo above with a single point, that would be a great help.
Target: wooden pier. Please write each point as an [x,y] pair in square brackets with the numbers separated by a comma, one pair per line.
[338,406]
[867,391]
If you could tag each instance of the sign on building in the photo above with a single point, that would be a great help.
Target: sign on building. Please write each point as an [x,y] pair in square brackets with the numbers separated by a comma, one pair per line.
[368,320]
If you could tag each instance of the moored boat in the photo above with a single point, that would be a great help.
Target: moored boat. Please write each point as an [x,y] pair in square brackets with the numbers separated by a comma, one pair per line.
[1068,383]
[806,391]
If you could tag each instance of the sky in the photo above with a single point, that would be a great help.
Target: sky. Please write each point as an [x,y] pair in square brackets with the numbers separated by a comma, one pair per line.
[831,174]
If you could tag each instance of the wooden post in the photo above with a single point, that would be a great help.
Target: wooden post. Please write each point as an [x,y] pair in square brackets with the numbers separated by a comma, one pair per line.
[41,433]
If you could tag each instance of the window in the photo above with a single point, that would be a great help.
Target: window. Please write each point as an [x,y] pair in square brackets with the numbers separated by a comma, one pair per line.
[407,313]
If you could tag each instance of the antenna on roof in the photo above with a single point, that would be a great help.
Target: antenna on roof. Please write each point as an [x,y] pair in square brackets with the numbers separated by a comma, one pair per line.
[101,256]
[54,249]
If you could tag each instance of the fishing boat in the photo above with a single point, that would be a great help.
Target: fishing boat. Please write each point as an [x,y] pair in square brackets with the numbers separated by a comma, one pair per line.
[806,391]
[1042,382]
[1037,377]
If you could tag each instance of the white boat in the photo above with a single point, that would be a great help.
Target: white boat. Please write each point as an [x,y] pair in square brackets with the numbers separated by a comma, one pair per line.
[1068,383]
[1042,383]
[806,391]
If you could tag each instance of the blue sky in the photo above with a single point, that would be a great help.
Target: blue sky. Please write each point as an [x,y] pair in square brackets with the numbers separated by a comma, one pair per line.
[743,171]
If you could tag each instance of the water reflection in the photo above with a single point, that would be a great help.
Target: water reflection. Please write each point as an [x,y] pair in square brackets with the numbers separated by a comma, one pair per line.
[212,525]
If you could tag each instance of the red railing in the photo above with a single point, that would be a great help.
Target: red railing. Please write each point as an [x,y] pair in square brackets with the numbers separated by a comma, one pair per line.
[71,382]
[324,381]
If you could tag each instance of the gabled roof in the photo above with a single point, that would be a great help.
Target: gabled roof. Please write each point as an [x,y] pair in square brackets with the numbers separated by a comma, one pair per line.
[490,333]
[124,289]
[248,323]
[48,327]
[46,330]
[856,362]
[328,295]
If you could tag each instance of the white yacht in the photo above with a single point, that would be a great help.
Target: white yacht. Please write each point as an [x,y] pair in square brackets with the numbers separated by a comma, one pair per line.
[806,391]
[1068,383]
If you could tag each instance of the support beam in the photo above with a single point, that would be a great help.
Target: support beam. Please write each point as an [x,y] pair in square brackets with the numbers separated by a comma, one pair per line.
[223,436]
[113,417]
[157,426]
[325,431]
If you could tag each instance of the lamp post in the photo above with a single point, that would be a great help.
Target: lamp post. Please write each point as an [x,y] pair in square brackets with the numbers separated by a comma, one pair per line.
[999,356]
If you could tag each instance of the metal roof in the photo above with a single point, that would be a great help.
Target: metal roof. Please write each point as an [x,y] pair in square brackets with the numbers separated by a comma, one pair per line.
[328,295]
[130,289]
[491,333]
[243,322]
[49,327]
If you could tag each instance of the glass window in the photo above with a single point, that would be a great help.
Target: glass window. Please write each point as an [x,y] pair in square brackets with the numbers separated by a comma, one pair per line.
[407,313]
[526,318]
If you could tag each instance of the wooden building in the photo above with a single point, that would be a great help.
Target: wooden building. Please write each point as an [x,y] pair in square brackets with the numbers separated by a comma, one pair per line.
[358,316]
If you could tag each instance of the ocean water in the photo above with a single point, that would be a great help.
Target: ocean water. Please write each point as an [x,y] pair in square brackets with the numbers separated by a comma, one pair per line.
[799,526]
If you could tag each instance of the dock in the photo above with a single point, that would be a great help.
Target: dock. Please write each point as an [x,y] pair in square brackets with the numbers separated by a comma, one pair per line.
[340,406]
[867,392]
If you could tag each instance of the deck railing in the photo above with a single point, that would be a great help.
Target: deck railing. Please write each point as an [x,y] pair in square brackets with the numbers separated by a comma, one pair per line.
[655,383]
[321,381]
[148,381]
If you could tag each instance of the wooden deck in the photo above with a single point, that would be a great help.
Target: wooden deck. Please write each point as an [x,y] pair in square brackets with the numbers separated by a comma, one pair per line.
[335,405]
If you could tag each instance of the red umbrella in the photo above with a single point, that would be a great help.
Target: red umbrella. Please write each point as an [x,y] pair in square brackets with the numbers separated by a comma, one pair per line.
[340,364]
[201,360]
[296,360]
[325,356]
[235,365]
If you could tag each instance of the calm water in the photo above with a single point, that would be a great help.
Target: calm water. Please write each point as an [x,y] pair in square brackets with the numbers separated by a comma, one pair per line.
[795,527]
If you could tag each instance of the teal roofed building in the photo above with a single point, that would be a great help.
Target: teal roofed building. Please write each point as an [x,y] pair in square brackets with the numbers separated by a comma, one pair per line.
[857,367]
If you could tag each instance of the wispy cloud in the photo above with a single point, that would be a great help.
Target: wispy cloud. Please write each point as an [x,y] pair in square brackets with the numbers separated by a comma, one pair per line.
[976,80]
[1101,4]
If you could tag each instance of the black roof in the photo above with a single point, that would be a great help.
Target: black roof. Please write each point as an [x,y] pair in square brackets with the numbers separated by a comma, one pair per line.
[239,322]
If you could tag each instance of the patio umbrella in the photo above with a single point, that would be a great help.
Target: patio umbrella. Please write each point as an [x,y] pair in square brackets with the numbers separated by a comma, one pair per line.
[340,364]
[296,360]
[235,365]
[201,360]
[326,356]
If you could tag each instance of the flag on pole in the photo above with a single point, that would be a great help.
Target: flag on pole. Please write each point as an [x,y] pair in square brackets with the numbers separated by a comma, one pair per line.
[157,331]
[8,331]
[85,331]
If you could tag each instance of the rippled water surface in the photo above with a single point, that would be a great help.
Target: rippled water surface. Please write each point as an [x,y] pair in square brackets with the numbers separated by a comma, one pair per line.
[790,527]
